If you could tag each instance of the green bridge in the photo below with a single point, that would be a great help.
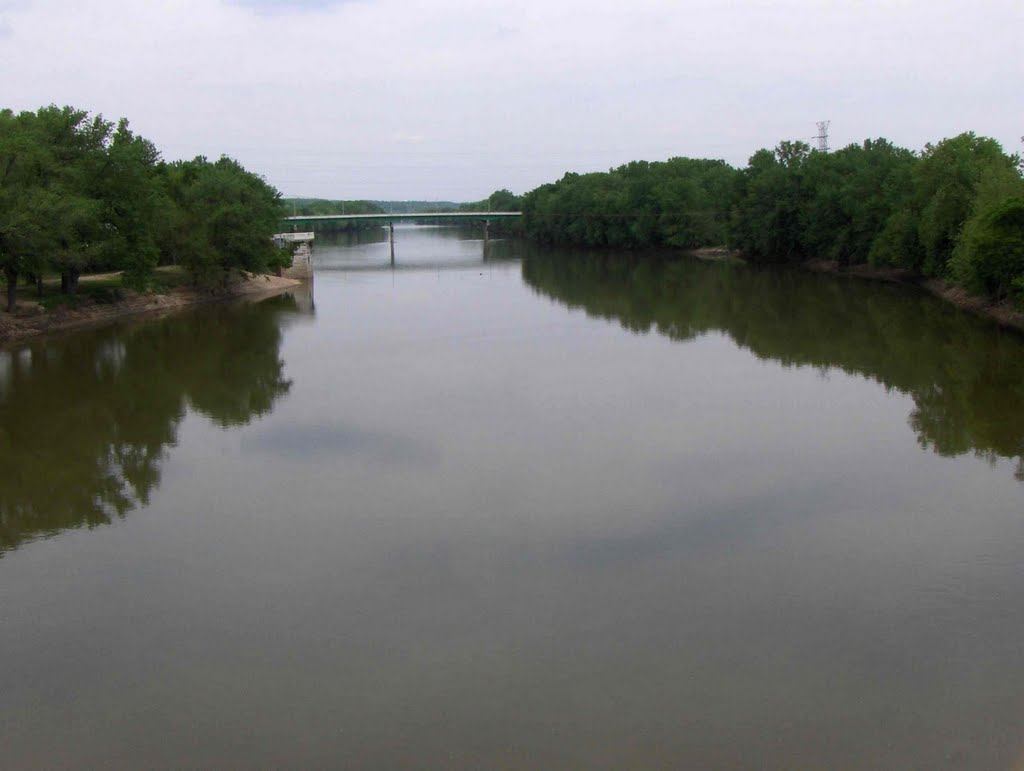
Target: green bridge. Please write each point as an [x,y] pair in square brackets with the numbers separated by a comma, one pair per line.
[392,217]
[396,216]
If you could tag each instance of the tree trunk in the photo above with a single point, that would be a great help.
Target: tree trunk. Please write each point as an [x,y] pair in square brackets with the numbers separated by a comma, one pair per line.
[39,286]
[69,281]
[12,289]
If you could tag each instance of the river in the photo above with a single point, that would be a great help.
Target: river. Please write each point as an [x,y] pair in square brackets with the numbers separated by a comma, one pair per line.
[510,507]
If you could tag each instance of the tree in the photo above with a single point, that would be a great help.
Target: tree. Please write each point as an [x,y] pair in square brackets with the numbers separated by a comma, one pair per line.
[989,254]
[946,183]
[503,200]
[75,151]
[23,197]
[133,199]
[851,194]
[769,197]
[223,219]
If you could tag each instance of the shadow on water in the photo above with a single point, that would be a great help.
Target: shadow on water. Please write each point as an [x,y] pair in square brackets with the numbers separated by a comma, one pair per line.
[86,420]
[965,375]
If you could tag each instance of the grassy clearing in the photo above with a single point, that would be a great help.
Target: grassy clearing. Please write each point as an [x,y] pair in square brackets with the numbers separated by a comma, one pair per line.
[168,277]
[97,288]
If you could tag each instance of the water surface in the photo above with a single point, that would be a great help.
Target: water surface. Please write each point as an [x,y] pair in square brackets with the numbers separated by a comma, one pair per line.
[502,507]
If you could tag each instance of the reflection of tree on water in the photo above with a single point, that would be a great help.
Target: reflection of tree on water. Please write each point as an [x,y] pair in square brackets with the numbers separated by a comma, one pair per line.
[966,377]
[85,421]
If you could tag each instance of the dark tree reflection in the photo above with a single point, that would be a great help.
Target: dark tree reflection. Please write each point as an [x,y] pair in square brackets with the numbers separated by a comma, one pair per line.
[85,421]
[966,376]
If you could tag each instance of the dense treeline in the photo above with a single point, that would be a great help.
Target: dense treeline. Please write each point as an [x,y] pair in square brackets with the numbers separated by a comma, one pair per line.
[499,201]
[320,206]
[79,193]
[953,211]
[304,207]
[680,202]
[414,207]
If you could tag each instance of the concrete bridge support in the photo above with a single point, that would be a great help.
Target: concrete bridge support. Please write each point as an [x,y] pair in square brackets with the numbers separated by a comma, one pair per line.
[391,238]
[302,263]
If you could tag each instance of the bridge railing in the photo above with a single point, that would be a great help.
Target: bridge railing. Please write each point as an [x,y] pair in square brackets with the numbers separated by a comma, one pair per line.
[395,216]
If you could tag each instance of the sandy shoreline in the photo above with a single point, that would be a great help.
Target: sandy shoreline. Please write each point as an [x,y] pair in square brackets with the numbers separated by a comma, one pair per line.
[30,321]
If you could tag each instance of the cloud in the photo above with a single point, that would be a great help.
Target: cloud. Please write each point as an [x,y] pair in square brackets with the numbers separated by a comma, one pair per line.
[331,443]
[407,137]
[456,98]
[288,6]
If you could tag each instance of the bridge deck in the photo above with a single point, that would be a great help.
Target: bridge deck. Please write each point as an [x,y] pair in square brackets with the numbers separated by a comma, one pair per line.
[476,215]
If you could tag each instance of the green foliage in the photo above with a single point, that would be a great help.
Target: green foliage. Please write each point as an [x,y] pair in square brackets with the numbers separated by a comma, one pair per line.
[989,257]
[766,215]
[503,200]
[321,206]
[222,219]
[898,245]
[97,292]
[946,183]
[680,202]
[499,200]
[76,145]
[794,204]
[414,207]
[24,194]
[78,194]
[870,202]
[852,194]
[1017,291]
[135,199]
[281,258]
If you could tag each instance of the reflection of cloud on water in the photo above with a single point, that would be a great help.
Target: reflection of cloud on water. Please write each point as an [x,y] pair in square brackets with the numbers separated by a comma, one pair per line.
[702,530]
[331,442]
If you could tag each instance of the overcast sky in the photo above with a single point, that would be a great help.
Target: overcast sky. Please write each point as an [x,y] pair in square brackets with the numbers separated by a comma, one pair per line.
[394,99]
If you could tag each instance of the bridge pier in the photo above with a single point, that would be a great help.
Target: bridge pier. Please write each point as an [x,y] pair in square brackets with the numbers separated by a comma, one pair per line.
[302,263]
[391,228]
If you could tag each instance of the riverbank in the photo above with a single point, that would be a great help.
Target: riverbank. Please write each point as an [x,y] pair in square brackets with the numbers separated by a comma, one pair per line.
[32,320]
[1003,312]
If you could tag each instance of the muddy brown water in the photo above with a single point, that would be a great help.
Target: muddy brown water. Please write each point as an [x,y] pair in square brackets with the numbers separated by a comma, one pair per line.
[521,509]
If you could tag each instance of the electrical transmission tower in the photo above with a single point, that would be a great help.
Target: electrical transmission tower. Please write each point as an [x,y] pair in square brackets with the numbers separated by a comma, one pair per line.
[823,135]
